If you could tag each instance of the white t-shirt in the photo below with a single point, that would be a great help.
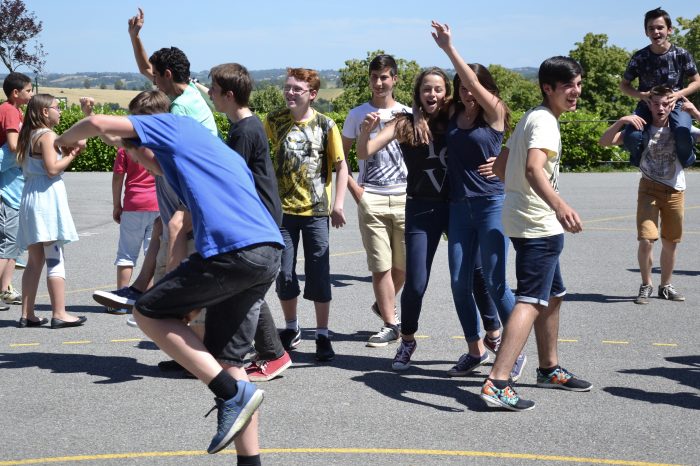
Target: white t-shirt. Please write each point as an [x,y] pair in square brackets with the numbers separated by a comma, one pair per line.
[659,161]
[385,172]
[525,214]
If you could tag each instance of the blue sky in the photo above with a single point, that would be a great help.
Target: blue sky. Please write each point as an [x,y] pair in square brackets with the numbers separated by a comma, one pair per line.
[91,35]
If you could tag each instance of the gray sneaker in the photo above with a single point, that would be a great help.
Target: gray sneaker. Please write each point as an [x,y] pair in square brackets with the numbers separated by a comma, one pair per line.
[467,364]
[375,310]
[645,292]
[387,334]
[666,292]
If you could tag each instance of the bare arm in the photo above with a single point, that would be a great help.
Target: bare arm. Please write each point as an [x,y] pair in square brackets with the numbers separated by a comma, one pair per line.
[627,89]
[493,107]
[367,147]
[54,166]
[98,125]
[135,25]
[534,172]
[341,183]
[12,138]
[499,165]
[690,108]
[117,183]
[613,135]
[355,189]
[692,87]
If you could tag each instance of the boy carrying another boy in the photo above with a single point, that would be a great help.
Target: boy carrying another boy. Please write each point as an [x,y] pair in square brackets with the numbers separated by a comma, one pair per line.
[238,248]
[535,218]
[661,188]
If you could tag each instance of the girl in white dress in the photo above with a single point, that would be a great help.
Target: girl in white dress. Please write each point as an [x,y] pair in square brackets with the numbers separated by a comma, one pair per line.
[45,223]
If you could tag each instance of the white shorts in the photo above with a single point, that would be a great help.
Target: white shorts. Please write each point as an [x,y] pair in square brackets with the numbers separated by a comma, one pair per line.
[135,231]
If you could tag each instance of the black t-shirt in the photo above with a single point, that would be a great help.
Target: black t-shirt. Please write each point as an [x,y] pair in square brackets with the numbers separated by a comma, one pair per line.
[248,138]
[427,169]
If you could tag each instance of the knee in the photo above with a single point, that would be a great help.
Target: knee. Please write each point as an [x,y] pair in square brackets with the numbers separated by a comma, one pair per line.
[55,266]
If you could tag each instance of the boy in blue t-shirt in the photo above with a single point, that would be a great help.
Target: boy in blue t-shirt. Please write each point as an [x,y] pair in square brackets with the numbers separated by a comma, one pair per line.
[661,64]
[238,253]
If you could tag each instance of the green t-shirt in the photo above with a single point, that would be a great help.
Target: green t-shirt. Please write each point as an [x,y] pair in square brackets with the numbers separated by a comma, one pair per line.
[192,104]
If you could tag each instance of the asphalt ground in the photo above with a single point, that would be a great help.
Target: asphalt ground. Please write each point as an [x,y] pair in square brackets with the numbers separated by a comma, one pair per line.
[93,395]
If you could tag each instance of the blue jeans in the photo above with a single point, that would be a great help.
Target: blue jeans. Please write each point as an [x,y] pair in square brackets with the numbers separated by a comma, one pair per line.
[475,227]
[679,122]
[426,221]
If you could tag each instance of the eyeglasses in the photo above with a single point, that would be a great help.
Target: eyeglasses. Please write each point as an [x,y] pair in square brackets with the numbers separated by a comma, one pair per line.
[296,90]
[56,107]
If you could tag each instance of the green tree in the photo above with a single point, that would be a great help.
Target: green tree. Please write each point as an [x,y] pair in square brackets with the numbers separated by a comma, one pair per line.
[356,90]
[87,84]
[603,67]
[518,92]
[119,85]
[266,99]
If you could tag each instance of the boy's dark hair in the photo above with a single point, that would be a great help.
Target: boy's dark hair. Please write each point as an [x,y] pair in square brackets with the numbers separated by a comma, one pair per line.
[235,78]
[651,15]
[172,59]
[382,61]
[306,75]
[14,81]
[558,70]
[149,103]
[660,91]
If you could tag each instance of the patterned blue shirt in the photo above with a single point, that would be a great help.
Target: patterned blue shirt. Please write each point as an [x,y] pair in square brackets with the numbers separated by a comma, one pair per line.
[669,69]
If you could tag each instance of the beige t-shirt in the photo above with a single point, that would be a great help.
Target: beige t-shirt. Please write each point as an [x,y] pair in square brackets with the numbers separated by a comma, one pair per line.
[525,214]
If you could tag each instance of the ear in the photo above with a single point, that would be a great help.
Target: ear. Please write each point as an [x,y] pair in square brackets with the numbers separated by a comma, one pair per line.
[15,93]
[312,94]
[168,74]
[547,88]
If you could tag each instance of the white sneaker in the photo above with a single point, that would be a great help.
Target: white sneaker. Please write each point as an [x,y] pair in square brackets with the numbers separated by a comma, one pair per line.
[131,322]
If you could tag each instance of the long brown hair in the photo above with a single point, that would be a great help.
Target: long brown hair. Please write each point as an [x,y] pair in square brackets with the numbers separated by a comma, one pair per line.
[416,129]
[33,119]
[485,79]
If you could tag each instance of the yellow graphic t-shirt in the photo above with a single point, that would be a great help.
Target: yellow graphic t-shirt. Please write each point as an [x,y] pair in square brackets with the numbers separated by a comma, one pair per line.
[305,153]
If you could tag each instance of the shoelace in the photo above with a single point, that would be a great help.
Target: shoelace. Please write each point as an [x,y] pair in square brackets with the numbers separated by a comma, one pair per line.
[404,352]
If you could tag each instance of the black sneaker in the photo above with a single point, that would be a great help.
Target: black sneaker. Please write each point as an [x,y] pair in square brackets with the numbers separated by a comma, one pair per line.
[290,338]
[324,349]
[670,293]
[561,378]
[644,294]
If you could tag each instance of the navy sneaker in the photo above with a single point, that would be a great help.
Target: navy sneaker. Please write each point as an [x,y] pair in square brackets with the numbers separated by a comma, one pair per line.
[117,299]
[234,414]
[290,338]
[467,364]
[324,349]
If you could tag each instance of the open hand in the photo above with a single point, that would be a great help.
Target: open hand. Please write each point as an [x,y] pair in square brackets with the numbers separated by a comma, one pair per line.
[441,34]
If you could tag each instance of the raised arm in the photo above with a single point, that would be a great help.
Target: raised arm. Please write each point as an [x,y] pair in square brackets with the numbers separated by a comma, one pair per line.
[135,25]
[613,135]
[493,107]
[97,125]
[367,147]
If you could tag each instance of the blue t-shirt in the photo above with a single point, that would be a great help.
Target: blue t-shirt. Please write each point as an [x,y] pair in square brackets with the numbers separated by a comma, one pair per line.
[213,182]
[466,150]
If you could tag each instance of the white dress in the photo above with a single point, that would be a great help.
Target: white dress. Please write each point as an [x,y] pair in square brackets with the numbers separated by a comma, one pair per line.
[44,215]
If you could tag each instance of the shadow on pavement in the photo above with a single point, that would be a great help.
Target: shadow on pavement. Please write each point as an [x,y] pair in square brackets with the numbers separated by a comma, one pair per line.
[688,376]
[114,369]
[597,298]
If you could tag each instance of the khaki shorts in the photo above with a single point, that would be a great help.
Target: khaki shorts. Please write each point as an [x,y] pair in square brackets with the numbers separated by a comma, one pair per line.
[656,200]
[382,226]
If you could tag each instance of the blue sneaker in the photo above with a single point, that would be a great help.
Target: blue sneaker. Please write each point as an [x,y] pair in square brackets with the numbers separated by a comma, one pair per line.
[518,367]
[467,364]
[117,299]
[234,414]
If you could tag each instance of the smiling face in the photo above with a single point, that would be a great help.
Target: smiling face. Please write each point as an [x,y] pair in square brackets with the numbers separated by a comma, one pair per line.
[433,91]
[658,31]
[297,94]
[382,83]
[563,97]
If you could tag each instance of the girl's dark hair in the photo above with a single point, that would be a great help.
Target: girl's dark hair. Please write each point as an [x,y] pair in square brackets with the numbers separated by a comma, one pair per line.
[485,79]
[417,128]
[33,119]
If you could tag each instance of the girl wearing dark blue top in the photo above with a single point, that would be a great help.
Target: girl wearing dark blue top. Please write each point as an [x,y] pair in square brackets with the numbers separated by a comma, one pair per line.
[475,134]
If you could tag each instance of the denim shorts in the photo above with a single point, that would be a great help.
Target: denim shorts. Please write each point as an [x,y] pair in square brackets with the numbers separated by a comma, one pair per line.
[317,269]
[537,269]
[9,225]
[134,232]
[231,286]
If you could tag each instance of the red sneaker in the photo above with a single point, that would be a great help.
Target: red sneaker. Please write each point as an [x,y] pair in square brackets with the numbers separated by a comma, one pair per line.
[264,371]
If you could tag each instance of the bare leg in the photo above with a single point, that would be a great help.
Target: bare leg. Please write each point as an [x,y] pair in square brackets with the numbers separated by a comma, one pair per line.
[30,279]
[124,273]
[515,336]
[668,260]
[322,313]
[385,291]
[645,260]
[7,269]
[289,308]
[547,333]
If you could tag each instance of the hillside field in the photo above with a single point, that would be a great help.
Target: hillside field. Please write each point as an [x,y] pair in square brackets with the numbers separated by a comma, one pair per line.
[104,96]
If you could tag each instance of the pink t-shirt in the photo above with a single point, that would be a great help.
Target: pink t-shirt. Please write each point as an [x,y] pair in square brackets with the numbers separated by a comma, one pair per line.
[139,185]
[10,119]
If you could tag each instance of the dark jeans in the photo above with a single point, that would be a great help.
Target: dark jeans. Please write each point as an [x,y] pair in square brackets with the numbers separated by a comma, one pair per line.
[267,340]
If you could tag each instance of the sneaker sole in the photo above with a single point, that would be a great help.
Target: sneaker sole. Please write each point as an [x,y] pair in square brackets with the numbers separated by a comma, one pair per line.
[660,297]
[495,402]
[109,300]
[274,375]
[562,387]
[116,312]
[401,367]
[242,421]
[13,301]
[381,344]
[640,302]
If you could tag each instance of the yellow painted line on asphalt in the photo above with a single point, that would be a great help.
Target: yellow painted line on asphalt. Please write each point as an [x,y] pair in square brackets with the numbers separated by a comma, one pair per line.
[624,217]
[339,451]
[458,337]
[126,340]
[78,342]
[664,344]
[15,345]
[562,340]
[422,336]
[616,342]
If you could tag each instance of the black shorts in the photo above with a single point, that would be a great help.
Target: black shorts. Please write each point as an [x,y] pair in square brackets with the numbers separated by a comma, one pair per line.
[231,286]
